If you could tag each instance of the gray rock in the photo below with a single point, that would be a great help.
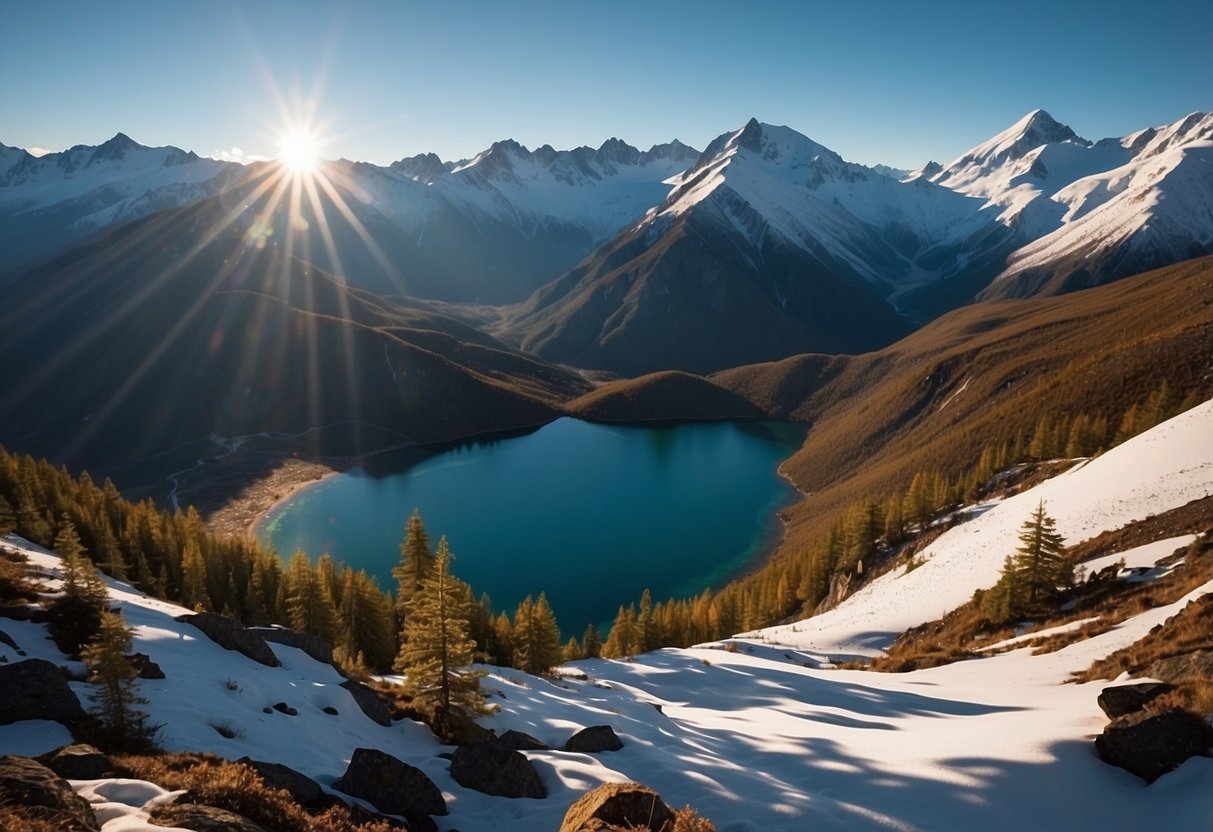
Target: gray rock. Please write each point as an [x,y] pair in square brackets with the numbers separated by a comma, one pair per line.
[78,762]
[44,795]
[314,646]
[1151,744]
[37,689]
[202,818]
[231,635]
[491,769]
[144,666]
[594,739]
[1125,699]
[304,789]
[624,805]
[518,741]
[369,701]
[283,708]
[390,785]
[1197,664]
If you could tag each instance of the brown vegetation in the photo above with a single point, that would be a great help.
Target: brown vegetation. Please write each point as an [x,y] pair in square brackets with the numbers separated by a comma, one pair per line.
[216,782]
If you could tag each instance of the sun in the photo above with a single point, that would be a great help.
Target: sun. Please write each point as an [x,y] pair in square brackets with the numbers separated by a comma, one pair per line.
[299,152]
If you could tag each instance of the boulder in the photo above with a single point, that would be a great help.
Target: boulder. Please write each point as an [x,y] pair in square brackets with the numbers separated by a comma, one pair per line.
[43,795]
[1151,744]
[37,689]
[594,739]
[491,769]
[283,708]
[518,741]
[369,701]
[78,762]
[231,635]
[390,785]
[1197,664]
[305,790]
[202,818]
[625,805]
[144,666]
[1125,699]
[314,646]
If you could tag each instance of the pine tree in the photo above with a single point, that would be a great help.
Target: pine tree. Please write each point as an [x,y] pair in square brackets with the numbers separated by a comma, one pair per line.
[591,642]
[8,517]
[309,607]
[572,651]
[536,637]
[1040,563]
[121,724]
[193,578]
[416,563]
[436,650]
[75,617]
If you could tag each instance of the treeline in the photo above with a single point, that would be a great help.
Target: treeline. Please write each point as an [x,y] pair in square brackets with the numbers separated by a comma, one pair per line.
[871,530]
[174,557]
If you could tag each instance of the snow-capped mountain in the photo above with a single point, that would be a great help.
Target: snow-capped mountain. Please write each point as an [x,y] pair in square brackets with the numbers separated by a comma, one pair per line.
[50,202]
[770,244]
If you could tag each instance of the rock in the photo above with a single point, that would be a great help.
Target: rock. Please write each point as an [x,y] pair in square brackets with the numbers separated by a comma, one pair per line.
[41,794]
[304,789]
[369,701]
[1151,744]
[593,739]
[518,741]
[314,646]
[390,785]
[144,666]
[78,762]
[330,710]
[202,818]
[5,638]
[1125,699]
[491,769]
[626,805]
[37,689]
[1197,664]
[283,708]
[231,635]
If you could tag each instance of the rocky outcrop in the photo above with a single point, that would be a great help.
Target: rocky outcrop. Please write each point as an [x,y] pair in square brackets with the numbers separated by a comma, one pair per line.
[1151,744]
[202,818]
[37,689]
[1197,664]
[390,785]
[43,795]
[594,739]
[78,762]
[1125,699]
[314,646]
[518,741]
[231,635]
[144,666]
[491,769]
[304,789]
[370,703]
[623,805]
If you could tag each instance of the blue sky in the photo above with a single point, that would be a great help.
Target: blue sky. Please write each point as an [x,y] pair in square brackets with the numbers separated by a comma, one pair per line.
[892,82]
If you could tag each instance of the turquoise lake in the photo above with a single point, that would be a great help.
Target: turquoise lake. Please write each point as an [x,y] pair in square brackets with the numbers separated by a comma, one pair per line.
[591,514]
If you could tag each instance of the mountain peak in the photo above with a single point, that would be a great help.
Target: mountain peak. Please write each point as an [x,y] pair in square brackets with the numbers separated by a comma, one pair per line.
[1041,128]
[750,136]
[114,149]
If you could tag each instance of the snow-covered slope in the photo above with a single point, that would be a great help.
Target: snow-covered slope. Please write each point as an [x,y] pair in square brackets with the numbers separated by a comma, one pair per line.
[764,737]
[51,201]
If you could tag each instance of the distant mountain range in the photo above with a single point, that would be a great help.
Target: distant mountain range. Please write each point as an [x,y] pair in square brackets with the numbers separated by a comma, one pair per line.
[764,245]
[152,300]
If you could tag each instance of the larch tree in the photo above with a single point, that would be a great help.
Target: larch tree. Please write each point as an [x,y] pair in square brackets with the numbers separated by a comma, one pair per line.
[417,563]
[1040,562]
[117,696]
[436,650]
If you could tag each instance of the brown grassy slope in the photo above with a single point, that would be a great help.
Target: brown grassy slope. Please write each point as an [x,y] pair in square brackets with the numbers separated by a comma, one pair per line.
[667,396]
[978,375]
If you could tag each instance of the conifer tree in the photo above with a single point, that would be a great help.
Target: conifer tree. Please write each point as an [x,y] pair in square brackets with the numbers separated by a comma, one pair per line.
[8,517]
[436,650]
[572,651]
[75,617]
[193,578]
[1040,562]
[591,642]
[536,636]
[309,607]
[416,563]
[117,697]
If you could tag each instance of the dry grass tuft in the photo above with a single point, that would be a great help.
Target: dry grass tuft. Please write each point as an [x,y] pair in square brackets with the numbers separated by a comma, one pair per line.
[22,819]
[213,781]
[687,819]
